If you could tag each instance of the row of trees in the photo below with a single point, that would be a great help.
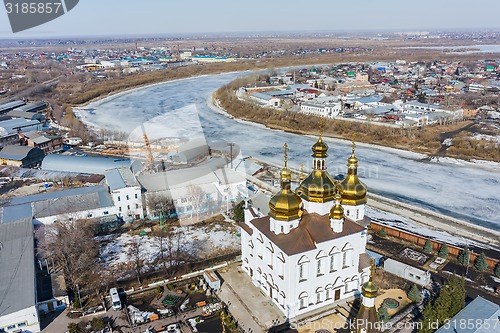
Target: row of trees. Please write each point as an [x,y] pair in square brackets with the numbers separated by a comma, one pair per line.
[450,301]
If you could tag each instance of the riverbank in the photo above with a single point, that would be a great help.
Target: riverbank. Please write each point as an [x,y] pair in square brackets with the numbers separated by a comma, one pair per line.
[428,140]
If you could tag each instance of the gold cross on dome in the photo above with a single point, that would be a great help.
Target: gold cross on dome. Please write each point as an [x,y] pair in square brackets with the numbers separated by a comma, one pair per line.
[372,268]
[321,125]
[285,152]
[353,143]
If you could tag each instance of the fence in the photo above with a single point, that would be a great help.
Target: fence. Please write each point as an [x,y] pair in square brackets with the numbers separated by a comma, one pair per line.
[420,240]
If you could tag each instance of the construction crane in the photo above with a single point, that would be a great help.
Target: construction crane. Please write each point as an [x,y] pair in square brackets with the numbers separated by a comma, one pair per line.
[149,153]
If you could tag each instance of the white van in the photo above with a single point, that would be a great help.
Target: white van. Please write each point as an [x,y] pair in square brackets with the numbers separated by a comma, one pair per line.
[115,299]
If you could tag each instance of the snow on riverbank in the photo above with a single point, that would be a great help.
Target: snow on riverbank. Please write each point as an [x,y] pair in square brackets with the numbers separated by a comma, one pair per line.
[405,223]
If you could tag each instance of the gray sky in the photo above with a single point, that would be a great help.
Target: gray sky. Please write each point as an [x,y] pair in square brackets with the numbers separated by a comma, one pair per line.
[126,17]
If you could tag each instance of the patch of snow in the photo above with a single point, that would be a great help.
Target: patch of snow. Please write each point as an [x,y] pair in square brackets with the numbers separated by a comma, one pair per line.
[202,240]
[478,136]
[448,142]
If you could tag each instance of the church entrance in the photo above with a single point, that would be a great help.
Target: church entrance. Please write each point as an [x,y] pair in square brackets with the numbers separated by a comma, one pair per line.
[337,294]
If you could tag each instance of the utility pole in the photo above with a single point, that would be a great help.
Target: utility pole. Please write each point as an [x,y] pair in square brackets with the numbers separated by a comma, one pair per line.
[231,145]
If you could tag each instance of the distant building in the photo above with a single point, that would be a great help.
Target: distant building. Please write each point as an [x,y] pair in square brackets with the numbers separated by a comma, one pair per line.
[21,156]
[195,191]
[6,107]
[33,107]
[126,193]
[83,164]
[47,143]
[46,208]
[14,126]
[321,110]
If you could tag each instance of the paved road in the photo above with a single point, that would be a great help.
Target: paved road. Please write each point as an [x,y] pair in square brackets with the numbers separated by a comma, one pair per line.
[247,304]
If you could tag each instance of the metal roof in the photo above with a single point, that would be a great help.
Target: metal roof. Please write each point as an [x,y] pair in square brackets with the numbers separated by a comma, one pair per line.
[83,164]
[180,178]
[12,125]
[483,313]
[32,106]
[11,105]
[16,153]
[57,203]
[120,178]
[16,213]
[17,276]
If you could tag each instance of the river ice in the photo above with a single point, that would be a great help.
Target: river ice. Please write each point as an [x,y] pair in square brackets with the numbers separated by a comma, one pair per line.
[465,190]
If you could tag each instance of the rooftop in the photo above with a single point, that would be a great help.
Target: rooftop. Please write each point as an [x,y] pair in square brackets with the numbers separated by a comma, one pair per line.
[56,203]
[17,276]
[16,153]
[83,164]
[481,311]
[120,178]
[313,228]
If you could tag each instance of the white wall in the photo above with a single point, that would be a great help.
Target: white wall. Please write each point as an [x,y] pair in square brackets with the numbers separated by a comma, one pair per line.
[28,316]
[93,213]
[128,202]
[347,279]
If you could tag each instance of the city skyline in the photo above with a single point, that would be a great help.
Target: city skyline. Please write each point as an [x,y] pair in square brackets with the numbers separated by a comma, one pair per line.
[119,18]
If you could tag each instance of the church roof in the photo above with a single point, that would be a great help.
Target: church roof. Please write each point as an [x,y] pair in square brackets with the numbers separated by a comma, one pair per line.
[313,228]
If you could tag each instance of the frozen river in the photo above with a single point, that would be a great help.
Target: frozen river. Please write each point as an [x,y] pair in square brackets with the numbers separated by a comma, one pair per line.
[466,190]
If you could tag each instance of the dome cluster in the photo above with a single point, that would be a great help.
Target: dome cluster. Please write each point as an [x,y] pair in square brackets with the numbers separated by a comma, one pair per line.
[318,187]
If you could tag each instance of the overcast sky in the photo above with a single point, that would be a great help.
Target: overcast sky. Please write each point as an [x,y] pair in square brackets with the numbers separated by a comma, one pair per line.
[126,17]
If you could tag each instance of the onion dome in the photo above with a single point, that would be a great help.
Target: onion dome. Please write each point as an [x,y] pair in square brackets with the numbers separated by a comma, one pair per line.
[337,211]
[286,204]
[353,190]
[320,149]
[318,187]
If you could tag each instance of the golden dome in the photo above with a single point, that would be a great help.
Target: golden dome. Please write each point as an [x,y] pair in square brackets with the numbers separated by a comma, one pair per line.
[285,206]
[317,187]
[353,190]
[337,211]
[286,174]
[319,149]
[369,289]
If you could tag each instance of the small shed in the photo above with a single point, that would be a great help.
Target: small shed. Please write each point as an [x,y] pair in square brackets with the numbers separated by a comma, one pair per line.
[407,272]
[212,279]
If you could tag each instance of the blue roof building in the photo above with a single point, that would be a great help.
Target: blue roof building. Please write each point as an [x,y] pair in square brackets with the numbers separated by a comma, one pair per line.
[479,316]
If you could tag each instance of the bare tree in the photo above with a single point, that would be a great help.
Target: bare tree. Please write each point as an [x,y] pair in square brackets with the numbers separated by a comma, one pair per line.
[160,205]
[198,199]
[136,258]
[70,242]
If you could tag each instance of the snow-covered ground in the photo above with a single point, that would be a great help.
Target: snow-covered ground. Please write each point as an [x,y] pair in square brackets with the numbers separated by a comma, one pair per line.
[465,190]
[493,138]
[202,240]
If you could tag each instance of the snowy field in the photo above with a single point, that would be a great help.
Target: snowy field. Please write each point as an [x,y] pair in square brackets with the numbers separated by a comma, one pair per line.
[465,190]
[202,241]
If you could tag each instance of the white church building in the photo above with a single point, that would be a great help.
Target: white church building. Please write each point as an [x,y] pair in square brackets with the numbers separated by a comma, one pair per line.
[309,251]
